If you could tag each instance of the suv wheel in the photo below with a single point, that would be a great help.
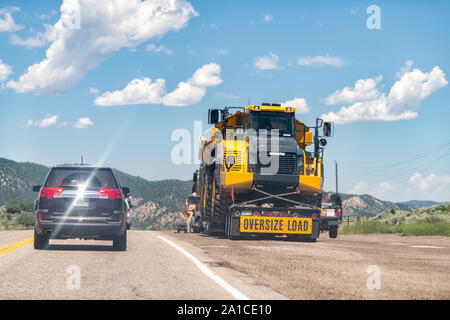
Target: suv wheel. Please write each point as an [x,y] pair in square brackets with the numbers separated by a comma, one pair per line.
[40,241]
[120,243]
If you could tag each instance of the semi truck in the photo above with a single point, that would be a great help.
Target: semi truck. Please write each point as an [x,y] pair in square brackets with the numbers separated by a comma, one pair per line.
[257,176]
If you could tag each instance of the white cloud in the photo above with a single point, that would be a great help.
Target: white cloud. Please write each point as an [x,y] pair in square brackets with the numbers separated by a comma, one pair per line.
[160,48]
[269,62]
[7,23]
[146,91]
[401,103]
[321,61]
[353,11]
[300,105]
[106,27]
[5,71]
[359,188]
[48,121]
[405,68]
[94,91]
[430,183]
[83,123]
[39,40]
[268,17]
[364,89]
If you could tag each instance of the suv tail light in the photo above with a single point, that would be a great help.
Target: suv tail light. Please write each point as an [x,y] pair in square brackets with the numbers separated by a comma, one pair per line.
[110,193]
[51,192]
[338,212]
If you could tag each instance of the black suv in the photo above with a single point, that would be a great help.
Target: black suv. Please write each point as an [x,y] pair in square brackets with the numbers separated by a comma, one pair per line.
[81,202]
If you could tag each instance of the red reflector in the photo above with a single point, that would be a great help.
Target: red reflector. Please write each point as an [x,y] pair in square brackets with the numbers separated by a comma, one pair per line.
[314,216]
[237,213]
[120,217]
[255,213]
[295,215]
[111,193]
[41,216]
[50,192]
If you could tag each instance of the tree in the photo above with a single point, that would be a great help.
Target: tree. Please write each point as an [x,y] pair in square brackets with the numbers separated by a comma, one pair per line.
[13,207]
[393,211]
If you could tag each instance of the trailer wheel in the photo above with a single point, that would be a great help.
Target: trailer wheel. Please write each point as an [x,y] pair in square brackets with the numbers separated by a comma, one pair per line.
[333,232]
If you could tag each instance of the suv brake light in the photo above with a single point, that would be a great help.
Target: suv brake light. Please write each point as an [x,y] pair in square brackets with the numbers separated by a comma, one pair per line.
[110,193]
[50,192]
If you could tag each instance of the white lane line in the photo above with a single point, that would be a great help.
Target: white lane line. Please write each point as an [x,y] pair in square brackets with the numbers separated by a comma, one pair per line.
[231,290]
[427,247]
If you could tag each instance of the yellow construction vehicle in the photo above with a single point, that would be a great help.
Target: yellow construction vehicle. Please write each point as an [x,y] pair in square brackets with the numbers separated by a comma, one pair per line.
[257,177]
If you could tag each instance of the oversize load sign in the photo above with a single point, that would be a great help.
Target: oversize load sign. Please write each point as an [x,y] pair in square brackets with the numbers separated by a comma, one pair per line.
[276,225]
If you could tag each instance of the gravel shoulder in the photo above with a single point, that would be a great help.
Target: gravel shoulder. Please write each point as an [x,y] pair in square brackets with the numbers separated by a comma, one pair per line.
[410,267]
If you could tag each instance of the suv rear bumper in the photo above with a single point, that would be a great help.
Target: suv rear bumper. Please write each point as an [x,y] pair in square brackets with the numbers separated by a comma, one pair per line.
[82,230]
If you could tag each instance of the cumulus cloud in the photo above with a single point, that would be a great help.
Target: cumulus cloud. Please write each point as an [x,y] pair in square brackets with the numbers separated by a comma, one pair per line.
[359,188]
[146,91]
[106,26]
[432,182]
[401,103]
[320,61]
[160,48]
[39,40]
[300,105]
[364,89]
[5,71]
[48,121]
[83,123]
[269,62]
[7,23]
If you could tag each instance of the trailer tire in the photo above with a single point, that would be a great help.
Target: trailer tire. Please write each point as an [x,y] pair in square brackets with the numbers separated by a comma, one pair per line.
[333,232]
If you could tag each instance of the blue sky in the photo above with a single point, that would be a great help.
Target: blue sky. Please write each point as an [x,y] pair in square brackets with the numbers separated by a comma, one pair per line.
[227,53]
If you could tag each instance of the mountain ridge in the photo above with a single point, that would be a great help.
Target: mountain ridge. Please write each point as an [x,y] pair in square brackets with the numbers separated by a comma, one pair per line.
[158,203]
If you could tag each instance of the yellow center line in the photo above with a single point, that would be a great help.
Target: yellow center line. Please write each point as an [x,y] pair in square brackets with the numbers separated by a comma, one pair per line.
[15,245]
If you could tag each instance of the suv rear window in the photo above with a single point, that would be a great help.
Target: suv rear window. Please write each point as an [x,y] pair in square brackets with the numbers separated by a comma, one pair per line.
[92,178]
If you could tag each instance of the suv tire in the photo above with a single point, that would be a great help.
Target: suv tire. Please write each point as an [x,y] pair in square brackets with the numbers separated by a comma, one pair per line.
[120,243]
[40,241]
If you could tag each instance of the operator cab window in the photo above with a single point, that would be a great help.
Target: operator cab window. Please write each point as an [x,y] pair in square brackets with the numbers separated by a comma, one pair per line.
[283,122]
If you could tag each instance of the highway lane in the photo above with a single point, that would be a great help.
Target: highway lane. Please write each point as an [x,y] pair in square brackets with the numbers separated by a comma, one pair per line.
[151,268]
[167,265]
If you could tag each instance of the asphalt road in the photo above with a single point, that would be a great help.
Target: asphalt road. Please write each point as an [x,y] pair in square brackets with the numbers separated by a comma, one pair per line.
[166,265]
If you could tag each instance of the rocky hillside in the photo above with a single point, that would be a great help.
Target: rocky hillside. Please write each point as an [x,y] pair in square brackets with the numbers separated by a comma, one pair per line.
[368,205]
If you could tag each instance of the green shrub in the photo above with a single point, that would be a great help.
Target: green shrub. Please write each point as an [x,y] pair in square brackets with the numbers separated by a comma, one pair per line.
[25,219]
[13,207]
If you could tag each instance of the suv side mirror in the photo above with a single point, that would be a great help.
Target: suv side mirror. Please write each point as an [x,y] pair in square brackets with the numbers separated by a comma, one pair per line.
[213,116]
[195,177]
[327,132]
[36,188]
[126,191]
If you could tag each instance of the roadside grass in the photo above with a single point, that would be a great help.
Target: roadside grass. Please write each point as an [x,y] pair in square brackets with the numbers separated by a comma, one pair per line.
[409,229]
